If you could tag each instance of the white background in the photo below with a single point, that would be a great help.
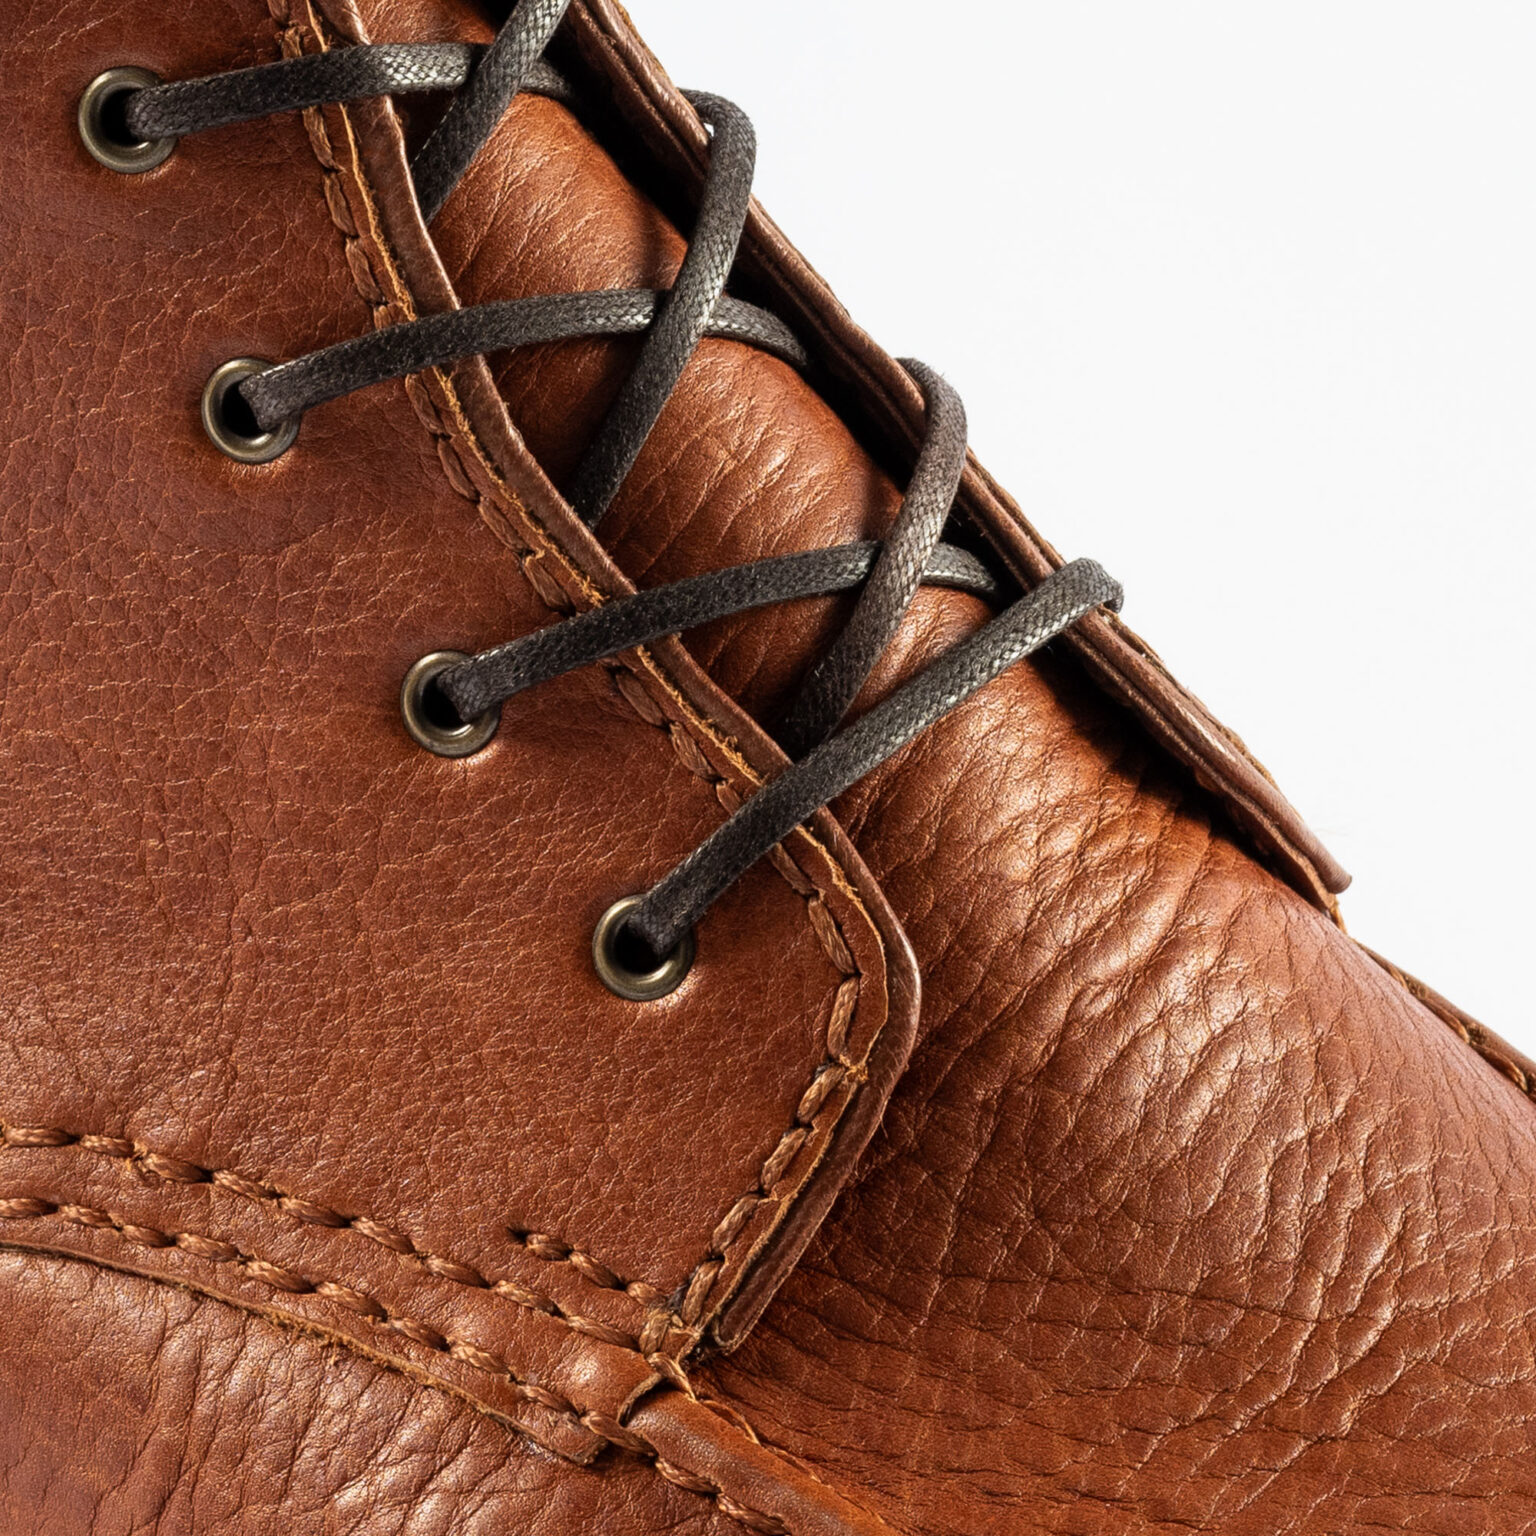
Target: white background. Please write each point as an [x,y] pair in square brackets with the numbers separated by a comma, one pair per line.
[1242,301]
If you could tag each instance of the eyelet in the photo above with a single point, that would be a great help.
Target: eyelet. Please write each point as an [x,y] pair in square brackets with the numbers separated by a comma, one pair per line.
[429,717]
[617,969]
[230,423]
[103,130]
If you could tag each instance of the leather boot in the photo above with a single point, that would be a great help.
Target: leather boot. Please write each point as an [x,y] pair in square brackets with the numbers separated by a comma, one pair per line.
[978,1122]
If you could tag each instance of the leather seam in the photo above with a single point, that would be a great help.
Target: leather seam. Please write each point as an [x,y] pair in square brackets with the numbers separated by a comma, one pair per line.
[279,1277]
[287,1282]
[733,1418]
[175,1170]
[835,1068]
[541,1245]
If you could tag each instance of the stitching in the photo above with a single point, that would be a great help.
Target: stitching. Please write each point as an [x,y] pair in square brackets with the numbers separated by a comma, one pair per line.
[175,1170]
[549,1249]
[543,1246]
[834,1069]
[361,1304]
[742,1425]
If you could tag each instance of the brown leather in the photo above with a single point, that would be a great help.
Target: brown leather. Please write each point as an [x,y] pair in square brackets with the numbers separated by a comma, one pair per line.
[276,910]
[325,1154]
[158,1407]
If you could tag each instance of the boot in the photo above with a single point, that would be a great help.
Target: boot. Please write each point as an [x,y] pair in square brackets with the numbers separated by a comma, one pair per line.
[598,935]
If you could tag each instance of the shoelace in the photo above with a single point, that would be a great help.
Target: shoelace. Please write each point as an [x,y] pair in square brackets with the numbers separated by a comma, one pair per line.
[484,81]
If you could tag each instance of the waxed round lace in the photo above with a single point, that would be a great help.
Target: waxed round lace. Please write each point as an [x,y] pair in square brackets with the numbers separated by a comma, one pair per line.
[483,82]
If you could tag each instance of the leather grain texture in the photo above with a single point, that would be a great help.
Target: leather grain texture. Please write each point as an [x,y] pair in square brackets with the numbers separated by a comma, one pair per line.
[326,1164]
[153,1407]
[249,925]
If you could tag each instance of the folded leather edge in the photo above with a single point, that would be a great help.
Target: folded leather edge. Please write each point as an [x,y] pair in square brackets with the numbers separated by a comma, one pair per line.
[681,1439]
[1509,1063]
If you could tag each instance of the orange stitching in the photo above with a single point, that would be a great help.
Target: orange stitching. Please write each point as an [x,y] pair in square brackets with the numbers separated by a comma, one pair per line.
[181,1171]
[548,1249]
[697,1287]
[289,1282]
[279,1277]
[640,702]
[175,1170]
[833,1069]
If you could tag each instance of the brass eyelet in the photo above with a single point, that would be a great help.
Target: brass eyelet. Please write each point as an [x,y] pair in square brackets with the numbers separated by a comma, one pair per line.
[105,134]
[431,719]
[229,422]
[617,970]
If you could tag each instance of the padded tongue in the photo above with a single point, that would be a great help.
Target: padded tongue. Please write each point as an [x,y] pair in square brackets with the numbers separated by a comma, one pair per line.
[746,461]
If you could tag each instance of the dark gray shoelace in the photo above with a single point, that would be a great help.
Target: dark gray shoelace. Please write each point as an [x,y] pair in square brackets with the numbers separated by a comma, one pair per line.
[888,573]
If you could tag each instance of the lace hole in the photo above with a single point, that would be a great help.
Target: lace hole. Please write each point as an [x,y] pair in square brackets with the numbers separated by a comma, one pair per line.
[432,720]
[104,124]
[625,964]
[231,424]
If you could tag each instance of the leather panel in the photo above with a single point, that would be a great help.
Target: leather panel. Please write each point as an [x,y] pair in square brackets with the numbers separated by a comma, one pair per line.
[1163,1220]
[130,1405]
[247,924]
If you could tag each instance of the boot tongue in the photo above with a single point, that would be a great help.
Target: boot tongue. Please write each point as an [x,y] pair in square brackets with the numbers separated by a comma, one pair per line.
[746,461]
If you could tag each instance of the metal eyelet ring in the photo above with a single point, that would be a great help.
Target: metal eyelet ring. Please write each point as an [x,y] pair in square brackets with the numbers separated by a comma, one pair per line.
[616,969]
[432,720]
[103,130]
[231,424]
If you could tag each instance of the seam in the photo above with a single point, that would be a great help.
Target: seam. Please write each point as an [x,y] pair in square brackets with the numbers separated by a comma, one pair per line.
[175,1170]
[1466,1030]
[735,1419]
[286,1281]
[834,1069]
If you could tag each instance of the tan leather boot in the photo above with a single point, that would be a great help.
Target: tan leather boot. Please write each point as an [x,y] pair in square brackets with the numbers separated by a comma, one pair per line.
[1018,1144]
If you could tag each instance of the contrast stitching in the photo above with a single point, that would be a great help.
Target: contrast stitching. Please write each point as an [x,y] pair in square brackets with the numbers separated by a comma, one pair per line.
[175,1170]
[289,1282]
[834,1069]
